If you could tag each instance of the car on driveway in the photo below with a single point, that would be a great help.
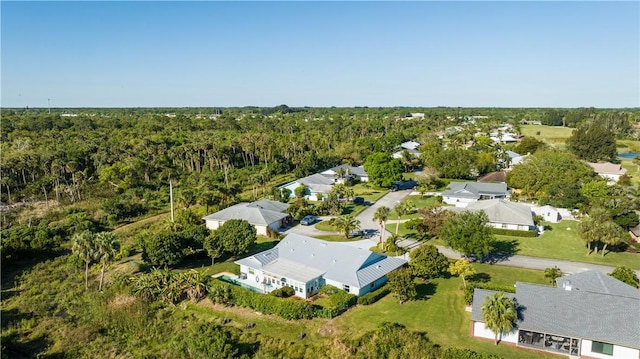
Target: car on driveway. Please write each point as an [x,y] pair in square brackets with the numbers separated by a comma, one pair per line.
[308,220]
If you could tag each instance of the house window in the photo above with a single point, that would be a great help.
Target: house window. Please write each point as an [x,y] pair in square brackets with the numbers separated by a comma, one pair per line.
[250,270]
[504,225]
[345,287]
[602,348]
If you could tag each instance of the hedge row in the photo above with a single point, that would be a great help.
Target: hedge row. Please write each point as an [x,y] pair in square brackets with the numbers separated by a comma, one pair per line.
[338,301]
[468,291]
[284,292]
[266,304]
[514,233]
[374,296]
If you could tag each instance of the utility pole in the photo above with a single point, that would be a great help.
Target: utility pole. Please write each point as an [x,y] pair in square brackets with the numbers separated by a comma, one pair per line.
[49,103]
[171,198]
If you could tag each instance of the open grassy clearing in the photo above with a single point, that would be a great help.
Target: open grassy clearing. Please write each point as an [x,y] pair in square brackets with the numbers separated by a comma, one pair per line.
[553,135]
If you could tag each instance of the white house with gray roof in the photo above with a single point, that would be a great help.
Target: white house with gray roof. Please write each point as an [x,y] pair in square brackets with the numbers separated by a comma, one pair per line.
[589,315]
[503,214]
[350,171]
[305,264]
[261,214]
[461,194]
[318,186]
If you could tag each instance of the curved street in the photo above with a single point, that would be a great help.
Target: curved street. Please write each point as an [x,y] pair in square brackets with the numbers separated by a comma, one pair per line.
[391,199]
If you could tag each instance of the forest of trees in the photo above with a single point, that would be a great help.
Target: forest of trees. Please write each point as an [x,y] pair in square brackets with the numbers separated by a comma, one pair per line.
[64,178]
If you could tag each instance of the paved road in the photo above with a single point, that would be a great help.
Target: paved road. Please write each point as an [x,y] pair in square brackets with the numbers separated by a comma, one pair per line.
[393,198]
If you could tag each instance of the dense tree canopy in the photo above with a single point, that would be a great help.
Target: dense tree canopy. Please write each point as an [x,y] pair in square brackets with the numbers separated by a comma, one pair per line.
[236,236]
[382,169]
[593,142]
[469,234]
[552,177]
[427,262]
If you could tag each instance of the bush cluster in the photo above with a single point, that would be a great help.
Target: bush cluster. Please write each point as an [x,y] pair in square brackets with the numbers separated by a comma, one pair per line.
[338,301]
[284,292]
[514,233]
[468,291]
[374,296]
[266,304]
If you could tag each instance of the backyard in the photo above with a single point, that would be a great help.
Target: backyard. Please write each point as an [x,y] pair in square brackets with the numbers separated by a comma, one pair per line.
[440,312]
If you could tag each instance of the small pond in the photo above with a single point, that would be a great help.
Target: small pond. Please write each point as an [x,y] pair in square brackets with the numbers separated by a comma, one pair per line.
[628,155]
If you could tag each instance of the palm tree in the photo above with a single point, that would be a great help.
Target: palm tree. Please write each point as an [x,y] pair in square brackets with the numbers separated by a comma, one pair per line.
[404,207]
[381,215]
[346,224]
[84,247]
[499,314]
[106,248]
[552,274]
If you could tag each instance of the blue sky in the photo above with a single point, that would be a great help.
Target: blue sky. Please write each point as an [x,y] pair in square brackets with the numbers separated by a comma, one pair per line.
[484,54]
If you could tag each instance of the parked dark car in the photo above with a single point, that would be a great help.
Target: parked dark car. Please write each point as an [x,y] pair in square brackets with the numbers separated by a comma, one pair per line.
[402,185]
[358,200]
[308,220]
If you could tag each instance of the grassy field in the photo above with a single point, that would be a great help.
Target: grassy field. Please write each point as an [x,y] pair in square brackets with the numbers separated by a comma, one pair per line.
[440,312]
[418,202]
[553,135]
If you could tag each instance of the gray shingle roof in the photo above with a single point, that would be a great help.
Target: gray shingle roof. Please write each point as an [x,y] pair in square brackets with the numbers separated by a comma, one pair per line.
[339,262]
[576,313]
[263,212]
[475,189]
[598,282]
[502,211]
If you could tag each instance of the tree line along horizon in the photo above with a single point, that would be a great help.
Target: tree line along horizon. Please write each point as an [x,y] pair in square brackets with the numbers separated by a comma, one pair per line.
[114,165]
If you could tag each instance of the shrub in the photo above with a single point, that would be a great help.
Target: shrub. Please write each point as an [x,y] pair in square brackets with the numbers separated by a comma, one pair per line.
[514,233]
[412,224]
[468,290]
[284,292]
[374,296]
[338,301]
[267,304]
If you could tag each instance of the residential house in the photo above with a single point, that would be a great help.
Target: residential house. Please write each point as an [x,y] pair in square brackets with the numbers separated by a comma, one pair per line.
[548,213]
[350,171]
[588,315]
[501,138]
[410,145]
[318,186]
[462,193]
[610,171]
[305,264]
[412,153]
[261,214]
[503,214]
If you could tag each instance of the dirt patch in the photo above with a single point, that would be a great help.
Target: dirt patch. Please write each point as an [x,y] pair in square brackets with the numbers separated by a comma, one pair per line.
[122,301]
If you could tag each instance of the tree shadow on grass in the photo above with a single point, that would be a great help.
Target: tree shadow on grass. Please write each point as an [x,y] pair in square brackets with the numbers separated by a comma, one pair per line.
[503,250]
[479,277]
[426,290]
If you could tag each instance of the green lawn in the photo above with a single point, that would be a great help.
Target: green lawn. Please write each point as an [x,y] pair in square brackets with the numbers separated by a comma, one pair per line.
[561,241]
[440,313]
[553,135]
[418,202]
[369,192]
